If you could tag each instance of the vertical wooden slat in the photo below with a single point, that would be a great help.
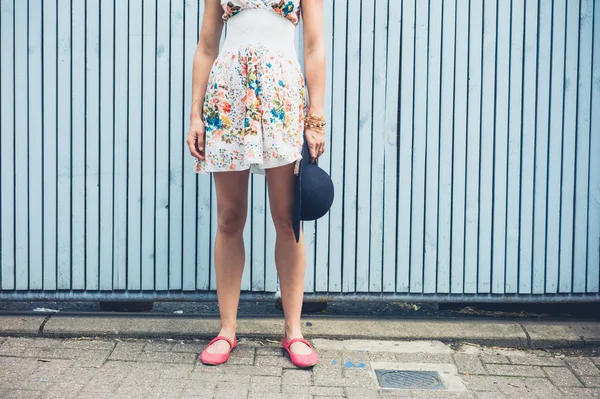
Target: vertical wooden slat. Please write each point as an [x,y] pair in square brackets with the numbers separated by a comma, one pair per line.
[258,220]
[515,133]
[134,185]
[446,133]
[473,146]
[322,248]
[338,133]
[365,134]
[190,204]
[35,143]
[121,145]
[527,269]
[78,149]
[176,144]
[21,148]
[147,144]
[541,147]
[584,82]
[565,273]
[434,75]
[390,211]
[422,280]
[378,149]
[593,247]
[486,177]
[7,145]
[350,148]
[48,139]
[403,273]
[557,82]
[64,161]
[106,162]
[500,148]
[461,80]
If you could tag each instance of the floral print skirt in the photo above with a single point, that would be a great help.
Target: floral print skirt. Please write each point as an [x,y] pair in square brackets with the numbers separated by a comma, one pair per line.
[255,98]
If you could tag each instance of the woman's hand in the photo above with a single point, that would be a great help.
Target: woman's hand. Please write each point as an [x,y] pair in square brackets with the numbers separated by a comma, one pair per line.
[195,138]
[315,142]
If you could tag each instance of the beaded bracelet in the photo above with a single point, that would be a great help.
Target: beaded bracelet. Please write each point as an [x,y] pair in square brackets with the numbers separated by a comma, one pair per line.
[315,122]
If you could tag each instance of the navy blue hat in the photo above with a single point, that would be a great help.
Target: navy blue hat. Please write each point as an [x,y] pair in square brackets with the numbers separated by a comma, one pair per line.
[314,192]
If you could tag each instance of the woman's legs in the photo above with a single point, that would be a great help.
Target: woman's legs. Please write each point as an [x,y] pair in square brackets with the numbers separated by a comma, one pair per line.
[232,207]
[290,257]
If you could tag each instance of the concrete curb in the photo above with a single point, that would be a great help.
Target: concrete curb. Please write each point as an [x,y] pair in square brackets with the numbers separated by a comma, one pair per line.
[505,333]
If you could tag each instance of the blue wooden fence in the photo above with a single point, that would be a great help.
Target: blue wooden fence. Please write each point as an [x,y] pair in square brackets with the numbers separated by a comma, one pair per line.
[464,145]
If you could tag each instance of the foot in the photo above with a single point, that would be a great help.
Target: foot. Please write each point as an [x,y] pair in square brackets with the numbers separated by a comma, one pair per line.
[221,346]
[298,348]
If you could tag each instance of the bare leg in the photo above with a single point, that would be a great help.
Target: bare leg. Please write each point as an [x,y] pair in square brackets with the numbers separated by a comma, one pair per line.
[290,257]
[232,207]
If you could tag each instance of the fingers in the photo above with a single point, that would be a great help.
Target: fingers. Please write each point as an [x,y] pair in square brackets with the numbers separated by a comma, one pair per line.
[195,142]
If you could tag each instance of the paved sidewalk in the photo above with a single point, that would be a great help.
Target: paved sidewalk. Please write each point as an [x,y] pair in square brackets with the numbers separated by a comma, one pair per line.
[118,368]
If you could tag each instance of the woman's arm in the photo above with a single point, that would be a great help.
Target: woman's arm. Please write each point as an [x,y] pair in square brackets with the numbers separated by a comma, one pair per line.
[206,52]
[314,68]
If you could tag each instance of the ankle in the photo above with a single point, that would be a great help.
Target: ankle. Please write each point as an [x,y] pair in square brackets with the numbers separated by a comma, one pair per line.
[293,330]
[228,329]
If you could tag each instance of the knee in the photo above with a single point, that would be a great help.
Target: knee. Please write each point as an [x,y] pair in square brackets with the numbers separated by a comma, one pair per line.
[283,225]
[231,221]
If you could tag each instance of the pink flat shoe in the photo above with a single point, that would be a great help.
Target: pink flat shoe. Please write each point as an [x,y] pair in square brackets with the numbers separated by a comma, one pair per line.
[217,358]
[300,360]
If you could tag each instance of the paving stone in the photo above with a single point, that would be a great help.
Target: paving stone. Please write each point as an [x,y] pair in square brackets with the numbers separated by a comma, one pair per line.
[355,359]
[241,355]
[269,351]
[583,366]
[542,388]
[281,361]
[195,394]
[489,395]
[263,383]
[167,357]
[298,377]
[231,390]
[91,358]
[199,385]
[591,382]
[469,364]
[442,394]
[84,344]
[78,376]
[383,356]
[359,377]
[21,394]
[515,371]
[187,347]
[176,371]
[62,391]
[395,393]
[481,383]
[580,393]
[313,390]
[165,394]
[493,358]
[595,360]
[252,370]
[438,358]
[127,351]
[361,393]
[276,395]
[536,361]
[158,347]
[562,377]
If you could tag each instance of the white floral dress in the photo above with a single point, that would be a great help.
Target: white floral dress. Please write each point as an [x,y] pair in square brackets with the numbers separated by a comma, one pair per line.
[255,99]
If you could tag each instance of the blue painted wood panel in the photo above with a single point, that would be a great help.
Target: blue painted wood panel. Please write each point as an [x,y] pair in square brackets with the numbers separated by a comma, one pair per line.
[462,139]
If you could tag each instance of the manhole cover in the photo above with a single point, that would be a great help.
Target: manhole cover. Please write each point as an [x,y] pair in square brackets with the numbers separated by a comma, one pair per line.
[407,379]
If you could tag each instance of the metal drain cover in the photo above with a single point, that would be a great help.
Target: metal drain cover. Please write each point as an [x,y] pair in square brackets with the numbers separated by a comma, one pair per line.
[409,379]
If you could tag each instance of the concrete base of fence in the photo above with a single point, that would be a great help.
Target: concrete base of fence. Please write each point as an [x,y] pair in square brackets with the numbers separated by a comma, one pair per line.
[508,333]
